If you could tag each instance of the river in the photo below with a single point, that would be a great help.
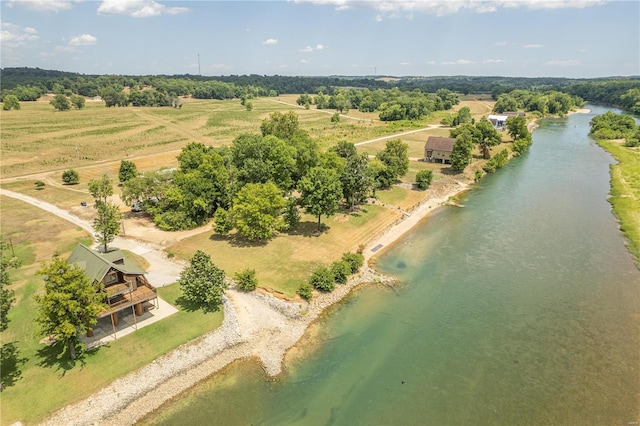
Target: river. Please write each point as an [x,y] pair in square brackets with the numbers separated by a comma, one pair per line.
[522,307]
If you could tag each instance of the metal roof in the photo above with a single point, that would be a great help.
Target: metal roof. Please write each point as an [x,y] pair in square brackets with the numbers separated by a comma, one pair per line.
[96,265]
[438,143]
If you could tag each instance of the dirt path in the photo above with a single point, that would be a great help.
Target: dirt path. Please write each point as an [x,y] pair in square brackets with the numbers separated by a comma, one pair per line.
[409,132]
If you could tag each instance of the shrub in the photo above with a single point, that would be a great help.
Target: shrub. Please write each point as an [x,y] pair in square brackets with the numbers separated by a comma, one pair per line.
[424,178]
[335,118]
[70,177]
[521,145]
[246,279]
[341,271]
[248,105]
[222,222]
[11,102]
[354,260]
[39,184]
[306,291]
[322,279]
[478,175]
[173,220]
[496,162]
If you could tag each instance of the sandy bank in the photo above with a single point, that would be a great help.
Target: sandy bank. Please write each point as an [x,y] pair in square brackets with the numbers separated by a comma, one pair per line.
[255,325]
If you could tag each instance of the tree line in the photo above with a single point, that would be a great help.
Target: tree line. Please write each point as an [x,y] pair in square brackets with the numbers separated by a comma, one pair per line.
[28,84]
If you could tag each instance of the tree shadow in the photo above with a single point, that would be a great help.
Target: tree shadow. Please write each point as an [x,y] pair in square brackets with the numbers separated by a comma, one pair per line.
[187,305]
[57,355]
[309,229]
[11,363]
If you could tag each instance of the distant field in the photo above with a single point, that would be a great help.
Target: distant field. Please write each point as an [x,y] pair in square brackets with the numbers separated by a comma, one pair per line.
[38,138]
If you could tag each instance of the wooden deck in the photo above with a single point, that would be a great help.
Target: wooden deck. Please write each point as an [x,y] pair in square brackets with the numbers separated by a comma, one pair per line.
[129,298]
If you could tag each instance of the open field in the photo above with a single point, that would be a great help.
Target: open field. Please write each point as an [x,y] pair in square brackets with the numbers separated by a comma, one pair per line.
[37,138]
[287,261]
[43,377]
[625,192]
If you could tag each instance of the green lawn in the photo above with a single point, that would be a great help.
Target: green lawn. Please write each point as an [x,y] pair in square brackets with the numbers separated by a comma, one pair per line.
[625,192]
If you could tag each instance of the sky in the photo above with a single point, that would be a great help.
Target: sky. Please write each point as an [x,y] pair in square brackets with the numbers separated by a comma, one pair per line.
[520,38]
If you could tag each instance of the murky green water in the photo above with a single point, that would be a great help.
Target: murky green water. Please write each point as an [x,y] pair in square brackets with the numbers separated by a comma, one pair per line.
[523,307]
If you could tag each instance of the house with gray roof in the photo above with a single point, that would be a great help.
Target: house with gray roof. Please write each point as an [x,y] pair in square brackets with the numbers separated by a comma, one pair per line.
[124,282]
[438,149]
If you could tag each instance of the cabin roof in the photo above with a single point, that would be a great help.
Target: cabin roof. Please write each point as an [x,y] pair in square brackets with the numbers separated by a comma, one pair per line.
[438,143]
[96,265]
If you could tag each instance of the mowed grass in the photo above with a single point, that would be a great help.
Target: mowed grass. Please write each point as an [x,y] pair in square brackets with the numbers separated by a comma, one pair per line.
[46,383]
[38,138]
[625,192]
[287,261]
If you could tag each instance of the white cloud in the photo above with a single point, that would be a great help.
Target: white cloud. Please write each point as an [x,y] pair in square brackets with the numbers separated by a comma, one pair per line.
[13,36]
[304,61]
[458,62]
[533,46]
[403,8]
[270,41]
[565,63]
[309,49]
[500,43]
[138,8]
[405,63]
[42,5]
[494,61]
[83,40]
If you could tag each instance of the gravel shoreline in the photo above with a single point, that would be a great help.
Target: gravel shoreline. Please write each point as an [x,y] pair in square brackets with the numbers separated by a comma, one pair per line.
[255,325]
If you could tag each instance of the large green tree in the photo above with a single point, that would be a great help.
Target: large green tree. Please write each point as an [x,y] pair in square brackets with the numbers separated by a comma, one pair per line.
[261,159]
[203,283]
[321,192]
[282,126]
[127,171]
[396,160]
[517,127]
[257,211]
[60,102]
[461,154]
[70,304]
[101,189]
[356,179]
[7,296]
[10,102]
[490,137]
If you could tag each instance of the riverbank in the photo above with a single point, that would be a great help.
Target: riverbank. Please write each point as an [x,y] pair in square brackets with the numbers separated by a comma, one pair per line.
[255,325]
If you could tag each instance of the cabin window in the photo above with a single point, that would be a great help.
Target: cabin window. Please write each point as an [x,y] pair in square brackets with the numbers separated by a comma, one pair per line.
[111,277]
[429,153]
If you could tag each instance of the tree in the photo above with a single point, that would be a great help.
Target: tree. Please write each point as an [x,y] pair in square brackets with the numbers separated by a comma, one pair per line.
[70,305]
[101,189]
[246,279]
[107,223]
[356,179]
[7,296]
[291,213]
[464,115]
[395,158]
[248,106]
[77,101]
[517,127]
[490,137]
[257,211]
[461,154]
[305,291]
[321,192]
[222,222]
[203,283]
[282,126]
[335,118]
[10,102]
[39,184]
[70,177]
[60,102]
[261,159]
[128,170]
[322,279]
[424,178]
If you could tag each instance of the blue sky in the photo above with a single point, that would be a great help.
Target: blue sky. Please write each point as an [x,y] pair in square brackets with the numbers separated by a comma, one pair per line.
[528,38]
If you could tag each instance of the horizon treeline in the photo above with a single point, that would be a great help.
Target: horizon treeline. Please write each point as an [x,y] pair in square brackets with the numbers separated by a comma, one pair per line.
[28,84]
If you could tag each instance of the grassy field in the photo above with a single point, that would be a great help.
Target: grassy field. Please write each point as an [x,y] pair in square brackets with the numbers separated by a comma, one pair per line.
[287,261]
[37,138]
[44,383]
[625,192]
